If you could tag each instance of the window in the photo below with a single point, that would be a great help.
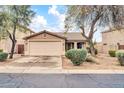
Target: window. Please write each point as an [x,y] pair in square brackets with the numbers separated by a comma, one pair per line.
[70,46]
[79,45]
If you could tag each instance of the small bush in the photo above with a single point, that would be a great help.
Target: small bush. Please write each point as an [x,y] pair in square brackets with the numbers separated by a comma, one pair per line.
[77,56]
[3,56]
[1,50]
[120,56]
[112,53]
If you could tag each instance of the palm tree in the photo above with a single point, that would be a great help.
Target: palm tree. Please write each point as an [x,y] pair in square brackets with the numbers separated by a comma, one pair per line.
[12,18]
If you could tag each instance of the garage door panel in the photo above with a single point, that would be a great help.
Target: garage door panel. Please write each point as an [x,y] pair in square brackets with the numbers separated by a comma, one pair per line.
[46,48]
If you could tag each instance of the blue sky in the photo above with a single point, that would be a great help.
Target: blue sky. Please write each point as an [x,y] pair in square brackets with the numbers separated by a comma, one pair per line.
[48,17]
[51,18]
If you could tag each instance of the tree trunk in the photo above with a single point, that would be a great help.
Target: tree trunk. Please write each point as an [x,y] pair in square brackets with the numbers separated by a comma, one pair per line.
[12,49]
[13,39]
[92,49]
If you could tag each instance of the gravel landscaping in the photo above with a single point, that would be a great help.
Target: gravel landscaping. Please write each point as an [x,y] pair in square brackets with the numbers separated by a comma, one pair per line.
[105,62]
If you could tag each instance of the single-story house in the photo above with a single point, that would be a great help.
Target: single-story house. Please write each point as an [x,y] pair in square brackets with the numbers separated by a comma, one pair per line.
[53,43]
[112,40]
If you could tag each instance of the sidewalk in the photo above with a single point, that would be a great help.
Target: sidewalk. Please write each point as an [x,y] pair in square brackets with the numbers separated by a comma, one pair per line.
[57,71]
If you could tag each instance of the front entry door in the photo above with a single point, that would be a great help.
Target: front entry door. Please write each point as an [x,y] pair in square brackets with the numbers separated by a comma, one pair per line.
[20,49]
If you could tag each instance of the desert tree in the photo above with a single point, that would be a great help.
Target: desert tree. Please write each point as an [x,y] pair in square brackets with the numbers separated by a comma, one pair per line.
[90,18]
[14,18]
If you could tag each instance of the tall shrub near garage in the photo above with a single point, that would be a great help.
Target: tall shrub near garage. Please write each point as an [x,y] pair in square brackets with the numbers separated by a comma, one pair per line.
[77,56]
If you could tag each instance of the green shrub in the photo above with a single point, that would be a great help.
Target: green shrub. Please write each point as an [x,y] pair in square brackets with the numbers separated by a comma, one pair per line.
[3,56]
[112,53]
[77,56]
[120,56]
[1,50]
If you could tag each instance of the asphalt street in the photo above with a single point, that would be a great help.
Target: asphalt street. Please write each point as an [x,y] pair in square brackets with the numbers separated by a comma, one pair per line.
[61,80]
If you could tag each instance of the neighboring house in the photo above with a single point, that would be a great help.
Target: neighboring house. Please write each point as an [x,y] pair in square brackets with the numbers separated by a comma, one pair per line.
[53,43]
[112,40]
[98,46]
[5,43]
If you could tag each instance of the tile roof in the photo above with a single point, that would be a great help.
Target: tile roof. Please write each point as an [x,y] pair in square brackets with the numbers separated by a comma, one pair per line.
[68,35]
[72,35]
[35,34]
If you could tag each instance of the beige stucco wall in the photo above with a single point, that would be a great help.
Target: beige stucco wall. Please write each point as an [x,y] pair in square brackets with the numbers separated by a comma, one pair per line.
[98,46]
[5,44]
[52,42]
[110,40]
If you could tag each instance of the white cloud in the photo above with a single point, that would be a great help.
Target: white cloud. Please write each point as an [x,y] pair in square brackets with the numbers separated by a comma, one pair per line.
[38,23]
[61,17]
[53,10]
[40,20]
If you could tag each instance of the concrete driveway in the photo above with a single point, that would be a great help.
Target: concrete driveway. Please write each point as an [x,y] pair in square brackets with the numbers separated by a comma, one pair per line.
[38,61]
[28,63]
[62,80]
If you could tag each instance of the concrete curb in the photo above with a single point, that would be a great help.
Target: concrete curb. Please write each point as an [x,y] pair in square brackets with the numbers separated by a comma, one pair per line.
[61,71]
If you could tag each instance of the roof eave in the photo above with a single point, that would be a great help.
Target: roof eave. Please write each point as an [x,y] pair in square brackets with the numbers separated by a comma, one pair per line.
[44,31]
